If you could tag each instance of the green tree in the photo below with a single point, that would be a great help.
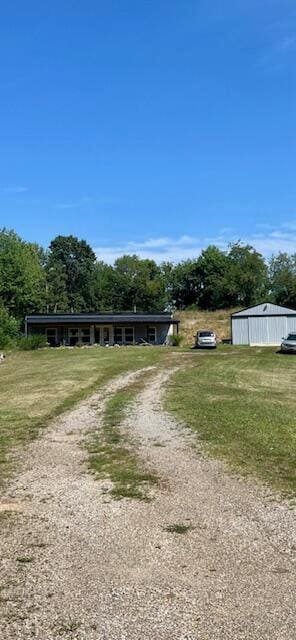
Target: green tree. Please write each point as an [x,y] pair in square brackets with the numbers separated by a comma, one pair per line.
[9,328]
[246,281]
[218,279]
[282,279]
[22,281]
[138,284]
[70,269]
[212,268]
[105,290]
[182,283]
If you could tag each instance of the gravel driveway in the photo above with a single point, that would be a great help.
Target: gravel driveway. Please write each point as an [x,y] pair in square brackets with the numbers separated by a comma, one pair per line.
[76,564]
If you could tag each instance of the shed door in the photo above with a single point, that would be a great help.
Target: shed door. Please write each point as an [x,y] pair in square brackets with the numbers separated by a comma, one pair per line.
[258,330]
[240,330]
[277,329]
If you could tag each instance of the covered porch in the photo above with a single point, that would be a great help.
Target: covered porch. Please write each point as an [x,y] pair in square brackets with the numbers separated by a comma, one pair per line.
[102,329]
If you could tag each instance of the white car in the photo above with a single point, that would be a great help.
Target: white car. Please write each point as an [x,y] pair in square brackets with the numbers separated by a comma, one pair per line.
[206,340]
[289,344]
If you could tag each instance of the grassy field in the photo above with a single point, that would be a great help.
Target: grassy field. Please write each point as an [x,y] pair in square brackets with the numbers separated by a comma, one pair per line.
[242,404]
[241,401]
[38,385]
[192,321]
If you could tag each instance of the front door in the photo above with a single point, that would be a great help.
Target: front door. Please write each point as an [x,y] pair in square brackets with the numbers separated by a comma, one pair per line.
[51,337]
[258,330]
[105,335]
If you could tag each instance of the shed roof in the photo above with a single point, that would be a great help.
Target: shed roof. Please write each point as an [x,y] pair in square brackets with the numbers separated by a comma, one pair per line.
[264,309]
[100,318]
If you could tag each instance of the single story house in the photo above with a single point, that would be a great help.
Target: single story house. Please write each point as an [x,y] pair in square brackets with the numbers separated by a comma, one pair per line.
[263,324]
[72,329]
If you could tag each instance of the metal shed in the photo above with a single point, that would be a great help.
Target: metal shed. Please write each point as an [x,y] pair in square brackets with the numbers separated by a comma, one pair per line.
[263,324]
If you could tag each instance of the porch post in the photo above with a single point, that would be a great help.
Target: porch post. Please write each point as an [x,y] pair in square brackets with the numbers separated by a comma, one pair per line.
[92,334]
[111,334]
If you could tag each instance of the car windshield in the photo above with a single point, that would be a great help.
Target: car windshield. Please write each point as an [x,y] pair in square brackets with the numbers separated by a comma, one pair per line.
[292,336]
[205,334]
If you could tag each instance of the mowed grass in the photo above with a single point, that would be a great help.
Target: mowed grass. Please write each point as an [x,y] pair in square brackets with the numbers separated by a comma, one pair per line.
[39,385]
[112,453]
[242,404]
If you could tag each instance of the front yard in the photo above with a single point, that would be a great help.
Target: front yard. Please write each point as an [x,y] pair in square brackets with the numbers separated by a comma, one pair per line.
[242,404]
[36,386]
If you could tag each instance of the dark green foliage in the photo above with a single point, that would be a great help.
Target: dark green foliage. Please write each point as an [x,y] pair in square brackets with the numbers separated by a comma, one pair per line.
[31,343]
[282,274]
[212,268]
[138,284]
[182,283]
[246,277]
[105,289]
[22,277]
[9,328]
[178,528]
[24,559]
[70,269]
[218,279]
[176,340]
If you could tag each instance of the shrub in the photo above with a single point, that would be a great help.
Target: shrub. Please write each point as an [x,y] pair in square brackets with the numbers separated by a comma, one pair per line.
[175,340]
[9,328]
[32,342]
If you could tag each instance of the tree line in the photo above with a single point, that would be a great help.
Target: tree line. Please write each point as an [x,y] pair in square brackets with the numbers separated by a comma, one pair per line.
[68,277]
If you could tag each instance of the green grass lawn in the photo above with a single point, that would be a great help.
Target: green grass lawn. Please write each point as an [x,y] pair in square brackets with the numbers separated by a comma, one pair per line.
[36,386]
[240,401]
[242,404]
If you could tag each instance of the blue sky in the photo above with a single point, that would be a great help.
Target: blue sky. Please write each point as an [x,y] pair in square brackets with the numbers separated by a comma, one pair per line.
[153,127]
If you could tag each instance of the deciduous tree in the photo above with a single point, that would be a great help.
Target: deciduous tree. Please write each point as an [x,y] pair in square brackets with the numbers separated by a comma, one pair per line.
[22,279]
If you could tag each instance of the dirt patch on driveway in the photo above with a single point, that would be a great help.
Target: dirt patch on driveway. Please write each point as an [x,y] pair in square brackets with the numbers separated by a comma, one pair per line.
[211,557]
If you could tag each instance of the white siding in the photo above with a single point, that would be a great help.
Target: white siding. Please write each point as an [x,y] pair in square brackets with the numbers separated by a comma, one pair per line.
[240,331]
[258,330]
[262,330]
[291,325]
[277,329]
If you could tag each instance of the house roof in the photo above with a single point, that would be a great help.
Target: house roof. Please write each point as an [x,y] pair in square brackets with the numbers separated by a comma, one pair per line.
[264,309]
[100,318]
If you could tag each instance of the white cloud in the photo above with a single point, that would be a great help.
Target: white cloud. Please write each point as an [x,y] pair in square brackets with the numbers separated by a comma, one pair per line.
[86,200]
[158,249]
[13,190]
[75,204]
[287,44]
[270,240]
[267,245]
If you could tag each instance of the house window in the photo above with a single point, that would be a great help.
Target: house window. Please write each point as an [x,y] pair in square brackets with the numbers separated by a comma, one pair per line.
[151,335]
[79,335]
[118,337]
[123,335]
[85,335]
[73,337]
[129,335]
[51,337]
